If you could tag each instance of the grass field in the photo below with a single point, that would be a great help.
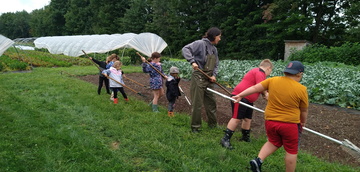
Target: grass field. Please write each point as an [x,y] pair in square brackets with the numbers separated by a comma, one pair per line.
[51,121]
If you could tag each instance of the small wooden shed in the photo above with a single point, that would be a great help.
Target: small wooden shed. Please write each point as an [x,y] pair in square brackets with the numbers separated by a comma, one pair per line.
[294,45]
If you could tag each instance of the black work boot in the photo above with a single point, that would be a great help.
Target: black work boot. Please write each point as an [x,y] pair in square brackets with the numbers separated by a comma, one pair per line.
[245,135]
[225,141]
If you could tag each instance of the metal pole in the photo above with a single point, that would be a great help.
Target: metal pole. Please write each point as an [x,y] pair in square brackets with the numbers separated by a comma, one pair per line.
[307,129]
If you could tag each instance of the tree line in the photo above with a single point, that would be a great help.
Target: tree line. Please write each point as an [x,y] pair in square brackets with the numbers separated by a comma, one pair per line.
[252,29]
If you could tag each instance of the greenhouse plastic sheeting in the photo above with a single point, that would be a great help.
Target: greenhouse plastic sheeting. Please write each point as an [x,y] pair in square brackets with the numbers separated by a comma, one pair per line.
[145,43]
[5,43]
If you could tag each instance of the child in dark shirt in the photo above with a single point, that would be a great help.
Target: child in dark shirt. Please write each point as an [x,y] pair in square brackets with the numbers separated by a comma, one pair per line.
[173,91]
[116,83]
[102,78]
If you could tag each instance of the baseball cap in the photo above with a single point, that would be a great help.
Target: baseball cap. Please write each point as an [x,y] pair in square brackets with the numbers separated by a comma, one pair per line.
[294,67]
[174,69]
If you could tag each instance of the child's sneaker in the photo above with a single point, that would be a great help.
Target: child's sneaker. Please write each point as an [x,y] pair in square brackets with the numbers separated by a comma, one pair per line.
[112,96]
[256,164]
[171,114]
[126,99]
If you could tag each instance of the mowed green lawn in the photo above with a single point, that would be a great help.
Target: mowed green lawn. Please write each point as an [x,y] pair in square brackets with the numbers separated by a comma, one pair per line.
[51,121]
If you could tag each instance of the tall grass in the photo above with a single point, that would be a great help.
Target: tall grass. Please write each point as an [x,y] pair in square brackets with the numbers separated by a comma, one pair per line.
[55,122]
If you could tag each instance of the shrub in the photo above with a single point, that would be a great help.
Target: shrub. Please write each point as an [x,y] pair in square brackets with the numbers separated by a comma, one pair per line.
[348,53]
[165,58]
[10,64]
[126,60]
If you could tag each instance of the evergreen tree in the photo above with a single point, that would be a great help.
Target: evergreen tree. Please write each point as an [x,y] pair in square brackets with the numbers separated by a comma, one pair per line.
[136,17]
[79,18]
[108,15]
[15,25]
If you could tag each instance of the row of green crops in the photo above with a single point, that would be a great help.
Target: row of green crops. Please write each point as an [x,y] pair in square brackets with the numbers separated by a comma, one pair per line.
[326,84]
[37,59]
[7,63]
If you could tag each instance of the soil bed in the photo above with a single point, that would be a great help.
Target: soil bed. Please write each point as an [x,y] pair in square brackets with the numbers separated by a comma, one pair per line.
[335,122]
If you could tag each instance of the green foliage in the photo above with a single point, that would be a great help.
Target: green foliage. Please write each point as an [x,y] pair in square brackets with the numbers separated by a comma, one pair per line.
[165,58]
[185,69]
[53,122]
[125,60]
[9,64]
[15,25]
[333,84]
[78,16]
[131,53]
[13,60]
[348,53]
[135,16]
[250,29]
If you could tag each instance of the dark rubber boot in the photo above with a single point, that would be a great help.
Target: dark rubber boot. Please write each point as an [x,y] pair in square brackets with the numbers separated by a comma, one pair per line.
[225,141]
[245,135]
[155,108]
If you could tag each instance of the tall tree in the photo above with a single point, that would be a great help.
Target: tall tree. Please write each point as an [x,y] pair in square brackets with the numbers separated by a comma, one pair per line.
[79,18]
[351,14]
[283,20]
[236,18]
[328,24]
[136,17]
[56,17]
[180,22]
[242,31]
[15,25]
[108,14]
[164,21]
[40,22]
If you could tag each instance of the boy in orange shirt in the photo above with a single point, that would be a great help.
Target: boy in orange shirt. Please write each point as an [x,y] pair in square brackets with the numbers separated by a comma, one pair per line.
[285,114]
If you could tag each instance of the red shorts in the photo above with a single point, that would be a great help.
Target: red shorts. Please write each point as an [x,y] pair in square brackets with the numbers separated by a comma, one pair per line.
[282,133]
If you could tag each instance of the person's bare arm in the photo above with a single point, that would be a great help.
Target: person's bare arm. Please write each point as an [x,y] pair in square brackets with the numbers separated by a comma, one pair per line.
[251,90]
[303,116]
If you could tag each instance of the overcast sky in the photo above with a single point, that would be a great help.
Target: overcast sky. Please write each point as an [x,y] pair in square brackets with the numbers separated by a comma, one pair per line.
[20,5]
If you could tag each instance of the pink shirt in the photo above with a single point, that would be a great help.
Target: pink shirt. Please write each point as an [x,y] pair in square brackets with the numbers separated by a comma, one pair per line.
[251,78]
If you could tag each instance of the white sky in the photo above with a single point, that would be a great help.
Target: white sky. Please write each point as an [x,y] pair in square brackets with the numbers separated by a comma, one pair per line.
[20,5]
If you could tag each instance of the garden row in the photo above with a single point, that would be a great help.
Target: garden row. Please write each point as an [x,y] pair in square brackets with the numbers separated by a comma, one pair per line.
[15,60]
[327,82]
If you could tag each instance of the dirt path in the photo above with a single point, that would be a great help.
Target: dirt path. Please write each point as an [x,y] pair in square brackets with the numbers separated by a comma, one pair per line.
[335,122]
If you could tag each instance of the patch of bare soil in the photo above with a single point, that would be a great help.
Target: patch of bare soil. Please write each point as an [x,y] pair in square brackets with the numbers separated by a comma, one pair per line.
[338,123]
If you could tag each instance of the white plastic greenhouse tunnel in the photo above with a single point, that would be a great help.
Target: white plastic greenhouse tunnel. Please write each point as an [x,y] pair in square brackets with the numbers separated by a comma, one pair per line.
[145,43]
[5,43]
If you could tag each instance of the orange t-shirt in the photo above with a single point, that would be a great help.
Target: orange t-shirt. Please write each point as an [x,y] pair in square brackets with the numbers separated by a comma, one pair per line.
[286,97]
